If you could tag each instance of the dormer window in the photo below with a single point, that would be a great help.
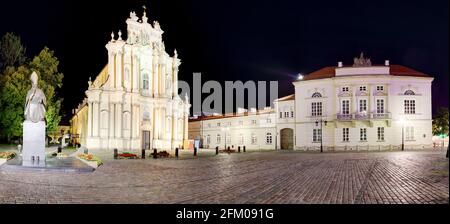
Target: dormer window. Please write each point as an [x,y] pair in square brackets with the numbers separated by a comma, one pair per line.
[409,92]
[362,88]
[345,89]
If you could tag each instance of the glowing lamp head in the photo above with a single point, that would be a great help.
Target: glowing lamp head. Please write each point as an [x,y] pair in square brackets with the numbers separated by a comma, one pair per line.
[300,76]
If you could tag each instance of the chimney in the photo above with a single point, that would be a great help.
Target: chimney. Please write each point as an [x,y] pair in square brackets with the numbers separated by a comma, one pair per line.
[386,63]
[340,64]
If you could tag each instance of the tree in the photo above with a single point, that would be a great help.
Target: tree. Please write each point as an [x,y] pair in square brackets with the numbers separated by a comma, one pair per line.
[14,84]
[12,52]
[441,122]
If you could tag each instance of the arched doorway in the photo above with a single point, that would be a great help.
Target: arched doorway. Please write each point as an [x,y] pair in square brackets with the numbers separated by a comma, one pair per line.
[287,138]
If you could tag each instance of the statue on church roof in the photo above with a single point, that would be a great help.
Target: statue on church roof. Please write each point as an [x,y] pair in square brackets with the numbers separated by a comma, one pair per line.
[361,61]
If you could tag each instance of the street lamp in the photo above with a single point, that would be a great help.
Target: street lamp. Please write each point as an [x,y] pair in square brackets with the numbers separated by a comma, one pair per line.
[402,122]
[300,76]
[321,132]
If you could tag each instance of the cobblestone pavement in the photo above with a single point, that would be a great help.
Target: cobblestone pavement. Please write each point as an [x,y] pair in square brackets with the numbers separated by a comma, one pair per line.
[256,177]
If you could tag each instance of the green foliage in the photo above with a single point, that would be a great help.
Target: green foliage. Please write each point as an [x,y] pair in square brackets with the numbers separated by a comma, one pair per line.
[13,90]
[441,122]
[12,52]
[14,84]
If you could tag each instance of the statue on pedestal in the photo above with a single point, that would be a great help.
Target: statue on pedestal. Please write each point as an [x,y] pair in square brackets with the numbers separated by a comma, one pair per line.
[35,102]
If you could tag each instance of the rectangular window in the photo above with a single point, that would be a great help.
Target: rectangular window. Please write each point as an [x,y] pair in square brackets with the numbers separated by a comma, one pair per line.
[345,89]
[281,114]
[228,139]
[345,106]
[208,139]
[317,135]
[286,114]
[241,139]
[362,105]
[218,139]
[362,88]
[253,122]
[218,124]
[269,120]
[292,113]
[380,133]
[409,133]
[363,134]
[410,106]
[316,109]
[254,139]
[345,134]
[380,106]
[380,88]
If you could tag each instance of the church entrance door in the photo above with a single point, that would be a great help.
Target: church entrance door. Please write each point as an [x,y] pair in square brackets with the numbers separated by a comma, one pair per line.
[146,140]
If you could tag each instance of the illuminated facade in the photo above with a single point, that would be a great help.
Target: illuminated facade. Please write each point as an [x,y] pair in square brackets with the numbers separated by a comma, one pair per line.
[133,103]
[362,107]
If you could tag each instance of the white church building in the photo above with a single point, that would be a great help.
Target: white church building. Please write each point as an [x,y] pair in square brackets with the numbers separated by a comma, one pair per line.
[356,107]
[133,103]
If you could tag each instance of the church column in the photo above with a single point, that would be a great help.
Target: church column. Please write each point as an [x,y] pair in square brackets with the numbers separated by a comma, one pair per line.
[112,117]
[89,119]
[119,120]
[155,123]
[163,79]
[175,75]
[111,65]
[163,123]
[185,124]
[119,62]
[155,73]
[96,119]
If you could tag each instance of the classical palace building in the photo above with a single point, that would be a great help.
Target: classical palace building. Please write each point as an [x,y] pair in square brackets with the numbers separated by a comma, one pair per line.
[356,107]
[133,103]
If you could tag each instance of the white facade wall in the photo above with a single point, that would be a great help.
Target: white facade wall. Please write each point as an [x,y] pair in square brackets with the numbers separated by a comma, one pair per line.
[240,130]
[394,111]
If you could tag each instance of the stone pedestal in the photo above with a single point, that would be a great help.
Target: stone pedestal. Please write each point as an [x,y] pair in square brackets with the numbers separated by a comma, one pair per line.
[33,153]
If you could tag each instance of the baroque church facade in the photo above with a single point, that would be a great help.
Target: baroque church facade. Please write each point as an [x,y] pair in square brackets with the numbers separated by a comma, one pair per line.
[134,103]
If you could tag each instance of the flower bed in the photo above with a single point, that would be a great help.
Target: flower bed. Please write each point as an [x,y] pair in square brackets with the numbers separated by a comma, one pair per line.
[127,155]
[164,154]
[90,158]
[7,155]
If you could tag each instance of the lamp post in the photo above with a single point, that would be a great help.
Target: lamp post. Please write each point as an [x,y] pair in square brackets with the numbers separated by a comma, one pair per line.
[225,129]
[321,121]
[402,122]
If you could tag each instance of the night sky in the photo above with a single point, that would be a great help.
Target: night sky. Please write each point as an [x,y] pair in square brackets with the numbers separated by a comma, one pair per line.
[233,40]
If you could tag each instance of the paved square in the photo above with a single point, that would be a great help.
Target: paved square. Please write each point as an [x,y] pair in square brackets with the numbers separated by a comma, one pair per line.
[256,177]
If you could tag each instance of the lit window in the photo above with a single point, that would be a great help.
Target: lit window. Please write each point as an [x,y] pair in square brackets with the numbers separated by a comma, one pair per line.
[409,133]
[345,106]
[218,138]
[269,138]
[316,109]
[380,133]
[363,134]
[410,106]
[254,139]
[362,105]
[145,82]
[345,134]
[317,135]
[380,106]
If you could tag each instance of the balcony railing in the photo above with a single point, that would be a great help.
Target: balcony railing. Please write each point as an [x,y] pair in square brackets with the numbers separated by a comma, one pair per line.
[380,115]
[362,116]
[344,116]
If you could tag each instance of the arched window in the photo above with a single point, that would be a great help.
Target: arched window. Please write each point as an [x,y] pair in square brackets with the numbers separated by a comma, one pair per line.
[316,95]
[269,138]
[409,92]
[145,81]
[218,138]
